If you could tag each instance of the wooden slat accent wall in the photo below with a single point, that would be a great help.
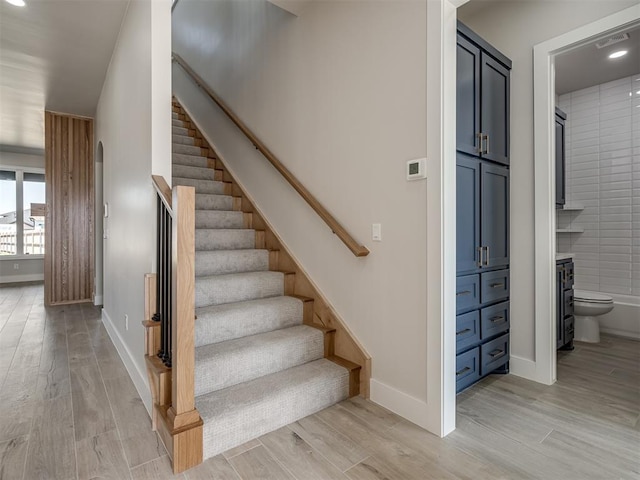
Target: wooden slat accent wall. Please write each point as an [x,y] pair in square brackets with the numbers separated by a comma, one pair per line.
[69,252]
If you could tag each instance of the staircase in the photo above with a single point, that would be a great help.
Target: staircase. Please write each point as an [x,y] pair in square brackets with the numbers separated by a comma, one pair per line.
[262,359]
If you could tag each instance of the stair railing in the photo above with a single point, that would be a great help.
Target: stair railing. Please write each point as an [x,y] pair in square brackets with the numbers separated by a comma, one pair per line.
[175,297]
[355,247]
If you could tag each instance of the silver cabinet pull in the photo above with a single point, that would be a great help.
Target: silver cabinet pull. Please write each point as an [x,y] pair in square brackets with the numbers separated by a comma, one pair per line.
[487,257]
[462,332]
[486,150]
[496,353]
[464,292]
[496,319]
[479,137]
[479,262]
[497,285]
[463,371]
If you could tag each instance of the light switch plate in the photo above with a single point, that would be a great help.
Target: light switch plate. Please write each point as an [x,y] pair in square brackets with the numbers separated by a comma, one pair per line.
[376,232]
[417,169]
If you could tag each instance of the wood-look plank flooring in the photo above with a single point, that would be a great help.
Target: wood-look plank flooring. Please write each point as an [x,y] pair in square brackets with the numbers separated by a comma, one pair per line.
[68,410]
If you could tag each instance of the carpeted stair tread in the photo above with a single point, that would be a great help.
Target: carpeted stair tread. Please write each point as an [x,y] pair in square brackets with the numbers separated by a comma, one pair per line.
[201,186]
[191,160]
[174,114]
[177,123]
[237,287]
[240,413]
[219,219]
[205,201]
[186,149]
[219,323]
[229,363]
[225,238]
[220,262]
[198,173]
[182,139]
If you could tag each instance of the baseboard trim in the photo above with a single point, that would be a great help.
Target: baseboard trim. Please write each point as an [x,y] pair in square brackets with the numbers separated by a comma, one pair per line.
[620,333]
[138,377]
[35,277]
[411,408]
[525,368]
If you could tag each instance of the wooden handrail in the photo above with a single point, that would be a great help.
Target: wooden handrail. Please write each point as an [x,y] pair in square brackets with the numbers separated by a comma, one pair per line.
[164,192]
[357,249]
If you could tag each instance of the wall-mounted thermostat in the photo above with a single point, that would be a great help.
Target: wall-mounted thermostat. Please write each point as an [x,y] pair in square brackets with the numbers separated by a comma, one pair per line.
[417,169]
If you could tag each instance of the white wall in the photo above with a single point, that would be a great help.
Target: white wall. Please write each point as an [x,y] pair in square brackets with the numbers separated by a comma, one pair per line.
[29,269]
[338,94]
[130,120]
[603,176]
[514,28]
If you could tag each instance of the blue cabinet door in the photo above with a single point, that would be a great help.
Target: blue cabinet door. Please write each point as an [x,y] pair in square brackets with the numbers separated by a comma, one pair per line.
[468,213]
[494,235]
[468,97]
[494,104]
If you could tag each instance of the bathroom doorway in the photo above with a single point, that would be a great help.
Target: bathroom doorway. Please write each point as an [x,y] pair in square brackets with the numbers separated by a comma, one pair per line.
[548,58]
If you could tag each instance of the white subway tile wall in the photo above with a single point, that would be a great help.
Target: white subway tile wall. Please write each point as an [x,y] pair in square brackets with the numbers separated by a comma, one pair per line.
[603,176]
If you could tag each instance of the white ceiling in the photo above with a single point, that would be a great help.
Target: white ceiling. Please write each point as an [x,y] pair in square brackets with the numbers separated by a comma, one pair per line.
[586,66]
[54,55]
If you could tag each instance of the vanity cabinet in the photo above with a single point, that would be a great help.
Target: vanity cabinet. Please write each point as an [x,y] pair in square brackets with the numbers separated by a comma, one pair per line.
[482,196]
[561,178]
[482,98]
[564,304]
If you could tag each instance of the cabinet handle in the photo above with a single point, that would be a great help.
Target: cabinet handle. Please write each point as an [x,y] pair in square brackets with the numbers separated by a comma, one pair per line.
[486,150]
[497,285]
[486,264]
[462,332]
[496,353]
[496,319]
[463,371]
[464,292]
[479,138]
[479,262]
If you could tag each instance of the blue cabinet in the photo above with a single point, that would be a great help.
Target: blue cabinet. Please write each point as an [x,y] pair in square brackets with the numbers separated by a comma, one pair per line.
[482,223]
[482,245]
[482,106]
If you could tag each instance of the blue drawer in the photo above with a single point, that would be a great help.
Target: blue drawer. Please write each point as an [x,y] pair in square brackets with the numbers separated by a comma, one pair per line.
[467,369]
[494,286]
[467,292]
[494,354]
[494,320]
[467,330]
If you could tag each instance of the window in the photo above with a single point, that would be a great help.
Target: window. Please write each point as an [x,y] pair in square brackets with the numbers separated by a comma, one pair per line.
[22,211]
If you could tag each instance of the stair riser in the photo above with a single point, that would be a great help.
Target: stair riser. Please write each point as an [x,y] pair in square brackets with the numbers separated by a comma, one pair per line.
[197,173]
[179,131]
[190,160]
[234,261]
[187,149]
[231,288]
[225,239]
[249,358]
[182,140]
[214,219]
[228,322]
[203,186]
[214,202]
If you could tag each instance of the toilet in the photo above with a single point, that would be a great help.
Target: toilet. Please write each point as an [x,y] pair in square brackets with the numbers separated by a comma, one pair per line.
[587,307]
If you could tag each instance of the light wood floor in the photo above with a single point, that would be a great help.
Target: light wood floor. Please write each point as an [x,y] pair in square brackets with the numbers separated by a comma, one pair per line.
[68,410]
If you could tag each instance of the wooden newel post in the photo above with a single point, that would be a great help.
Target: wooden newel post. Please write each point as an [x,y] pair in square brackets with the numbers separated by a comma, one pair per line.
[182,414]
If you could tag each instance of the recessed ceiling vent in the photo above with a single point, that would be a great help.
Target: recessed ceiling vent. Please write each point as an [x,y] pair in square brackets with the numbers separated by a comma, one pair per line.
[620,37]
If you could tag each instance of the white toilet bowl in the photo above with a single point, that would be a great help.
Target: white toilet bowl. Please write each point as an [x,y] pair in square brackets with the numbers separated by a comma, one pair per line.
[587,307]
